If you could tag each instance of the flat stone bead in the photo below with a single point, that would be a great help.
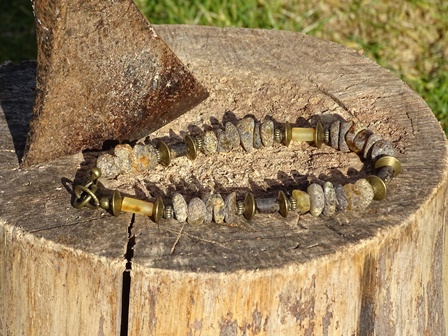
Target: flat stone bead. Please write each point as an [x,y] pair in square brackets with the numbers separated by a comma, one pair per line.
[228,139]
[224,144]
[180,207]
[232,134]
[350,136]
[360,140]
[334,134]
[330,199]
[246,130]
[257,136]
[208,207]
[210,143]
[371,140]
[108,165]
[341,198]
[302,200]
[231,209]
[219,208]
[125,157]
[382,148]
[196,211]
[360,194]
[317,199]
[345,126]
[267,132]
[145,157]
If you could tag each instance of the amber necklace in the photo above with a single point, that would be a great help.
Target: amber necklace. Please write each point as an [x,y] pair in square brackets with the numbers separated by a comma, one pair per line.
[326,199]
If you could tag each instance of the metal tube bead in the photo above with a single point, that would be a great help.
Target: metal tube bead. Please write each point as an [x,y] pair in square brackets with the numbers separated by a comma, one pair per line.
[267,205]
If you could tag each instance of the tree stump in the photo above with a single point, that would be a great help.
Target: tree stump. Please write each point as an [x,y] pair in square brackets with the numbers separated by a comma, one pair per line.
[379,271]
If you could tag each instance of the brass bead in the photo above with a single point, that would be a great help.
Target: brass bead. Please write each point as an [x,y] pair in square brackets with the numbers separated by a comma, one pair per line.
[158,210]
[249,206]
[168,212]
[389,161]
[379,187]
[95,173]
[240,206]
[292,204]
[163,153]
[192,149]
[278,135]
[115,204]
[283,203]
[104,203]
[319,135]
[287,134]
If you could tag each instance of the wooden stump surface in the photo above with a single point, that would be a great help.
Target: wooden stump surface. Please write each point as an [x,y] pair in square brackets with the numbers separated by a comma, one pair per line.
[379,271]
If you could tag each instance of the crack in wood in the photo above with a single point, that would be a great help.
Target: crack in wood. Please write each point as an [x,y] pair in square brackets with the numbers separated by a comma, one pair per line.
[126,287]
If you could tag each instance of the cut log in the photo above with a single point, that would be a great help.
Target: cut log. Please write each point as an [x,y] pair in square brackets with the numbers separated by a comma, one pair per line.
[379,271]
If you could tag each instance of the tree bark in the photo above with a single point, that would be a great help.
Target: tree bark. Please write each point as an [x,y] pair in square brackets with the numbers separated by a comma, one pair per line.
[379,271]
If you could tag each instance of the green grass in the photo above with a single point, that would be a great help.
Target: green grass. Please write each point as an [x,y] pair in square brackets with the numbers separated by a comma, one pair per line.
[408,37]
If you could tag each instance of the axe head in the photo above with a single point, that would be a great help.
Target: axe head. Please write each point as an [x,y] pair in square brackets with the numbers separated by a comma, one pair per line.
[103,74]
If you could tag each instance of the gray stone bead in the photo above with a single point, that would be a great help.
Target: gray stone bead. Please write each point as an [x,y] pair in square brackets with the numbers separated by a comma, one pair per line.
[334,134]
[219,208]
[180,207]
[125,157]
[330,199]
[267,132]
[210,143]
[382,148]
[361,139]
[145,157]
[257,136]
[341,198]
[224,144]
[317,199]
[229,139]
[232,134]
[196,211]
[371,140]
[344,128]
[209,208]
[108,165]
[231,208]
[246,131]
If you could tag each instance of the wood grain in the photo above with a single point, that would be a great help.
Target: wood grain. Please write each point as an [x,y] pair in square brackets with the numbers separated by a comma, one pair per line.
[376,272]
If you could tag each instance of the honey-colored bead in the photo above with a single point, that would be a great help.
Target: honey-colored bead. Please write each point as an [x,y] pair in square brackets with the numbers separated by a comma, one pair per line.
[302,200]
[137,206]
[310,134]
[360,194]
[129,204]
